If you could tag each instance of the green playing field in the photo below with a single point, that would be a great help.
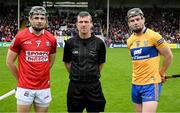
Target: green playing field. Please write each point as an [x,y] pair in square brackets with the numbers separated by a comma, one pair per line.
[115,79]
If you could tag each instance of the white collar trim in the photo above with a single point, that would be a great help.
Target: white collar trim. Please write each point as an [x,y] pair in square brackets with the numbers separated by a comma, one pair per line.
[31,30]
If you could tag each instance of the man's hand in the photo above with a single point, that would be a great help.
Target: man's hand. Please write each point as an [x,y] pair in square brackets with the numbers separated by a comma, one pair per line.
[163,79]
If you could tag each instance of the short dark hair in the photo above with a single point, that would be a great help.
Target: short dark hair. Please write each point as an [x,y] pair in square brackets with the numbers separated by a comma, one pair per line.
[84,14]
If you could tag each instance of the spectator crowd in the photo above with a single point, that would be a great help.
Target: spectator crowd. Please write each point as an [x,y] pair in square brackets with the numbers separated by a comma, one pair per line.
[165,21]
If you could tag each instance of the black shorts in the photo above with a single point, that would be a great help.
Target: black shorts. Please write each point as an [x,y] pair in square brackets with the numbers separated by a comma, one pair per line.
[82,95]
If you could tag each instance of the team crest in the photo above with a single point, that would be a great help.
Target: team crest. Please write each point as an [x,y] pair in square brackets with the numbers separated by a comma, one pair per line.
[26,93]
[137,43]
[47,44]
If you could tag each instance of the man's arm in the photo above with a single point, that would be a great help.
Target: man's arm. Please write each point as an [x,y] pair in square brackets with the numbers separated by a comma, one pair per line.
[52,59]
[102,55]
[68,66]
[10,62]
[168,56]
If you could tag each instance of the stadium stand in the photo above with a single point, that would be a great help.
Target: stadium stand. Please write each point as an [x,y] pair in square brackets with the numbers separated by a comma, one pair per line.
[166,21]
[8,24]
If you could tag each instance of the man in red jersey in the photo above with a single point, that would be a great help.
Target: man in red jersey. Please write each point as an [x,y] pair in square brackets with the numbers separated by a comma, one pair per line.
[36,49]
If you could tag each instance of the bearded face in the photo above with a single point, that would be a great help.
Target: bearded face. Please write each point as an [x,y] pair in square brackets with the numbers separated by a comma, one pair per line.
[38,22]
[136,23]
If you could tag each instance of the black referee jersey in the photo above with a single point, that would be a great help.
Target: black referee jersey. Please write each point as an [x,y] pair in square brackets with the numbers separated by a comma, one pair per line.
[85,56]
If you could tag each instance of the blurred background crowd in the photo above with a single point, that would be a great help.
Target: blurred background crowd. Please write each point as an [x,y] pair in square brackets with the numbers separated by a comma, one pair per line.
[61,22]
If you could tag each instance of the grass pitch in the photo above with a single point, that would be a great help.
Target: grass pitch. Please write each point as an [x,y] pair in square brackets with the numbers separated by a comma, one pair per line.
[115,80]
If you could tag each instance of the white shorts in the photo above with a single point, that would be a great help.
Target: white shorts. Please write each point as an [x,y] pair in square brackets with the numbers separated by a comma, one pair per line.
[41,98]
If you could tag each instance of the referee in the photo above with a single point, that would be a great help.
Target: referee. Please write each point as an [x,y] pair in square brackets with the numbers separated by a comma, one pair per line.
[84,56]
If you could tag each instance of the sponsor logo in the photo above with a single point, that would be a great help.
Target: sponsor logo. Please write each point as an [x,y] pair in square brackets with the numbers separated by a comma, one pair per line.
[75,52]
[5,44]
[160,41]
[27,42]
[37,56]
[140,57]
[138,52]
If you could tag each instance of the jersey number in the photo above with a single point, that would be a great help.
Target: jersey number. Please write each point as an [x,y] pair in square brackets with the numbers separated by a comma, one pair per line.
[38,43]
